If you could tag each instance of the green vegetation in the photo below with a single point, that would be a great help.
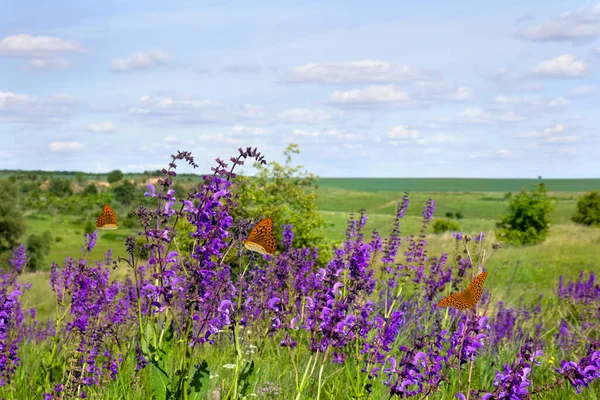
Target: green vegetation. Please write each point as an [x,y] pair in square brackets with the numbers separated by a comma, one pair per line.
[527,221]
[12,225]
[445,225]
[114,176]
[588,209]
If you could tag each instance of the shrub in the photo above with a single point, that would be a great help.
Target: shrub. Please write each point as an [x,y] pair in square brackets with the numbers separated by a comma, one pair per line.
[459,215]
[286,194]
[60,187]
[449,214]
[114,176]
[445,225]
[37,248]
[588,209]
[125,193]
[12,224]
[527,221]
[90,189]
[89,228]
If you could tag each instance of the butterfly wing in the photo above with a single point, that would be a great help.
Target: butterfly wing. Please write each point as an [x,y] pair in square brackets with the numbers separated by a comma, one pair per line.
[108,219]
[467,298]
[261,238]
[456,300]
[475,288]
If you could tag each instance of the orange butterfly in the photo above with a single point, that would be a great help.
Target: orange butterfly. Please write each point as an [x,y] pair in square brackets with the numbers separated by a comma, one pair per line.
[467,298]
[261,238]
[108,219]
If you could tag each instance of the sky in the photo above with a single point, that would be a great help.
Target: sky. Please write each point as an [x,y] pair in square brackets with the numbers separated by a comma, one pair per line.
[367,89]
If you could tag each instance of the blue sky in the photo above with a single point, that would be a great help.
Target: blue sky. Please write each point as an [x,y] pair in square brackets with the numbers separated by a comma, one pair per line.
[367,89]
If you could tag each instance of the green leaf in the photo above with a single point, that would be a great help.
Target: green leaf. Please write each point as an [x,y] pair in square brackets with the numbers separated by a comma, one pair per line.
[200,381]
[159,380]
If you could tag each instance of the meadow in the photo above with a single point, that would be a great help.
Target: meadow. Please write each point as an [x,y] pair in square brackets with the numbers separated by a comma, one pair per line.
[221,322]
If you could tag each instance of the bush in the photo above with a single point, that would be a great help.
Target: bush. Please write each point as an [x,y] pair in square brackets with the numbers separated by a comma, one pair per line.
[449,214]
[37,248]
[89,228]
[445,225]
[588,209]
[125,193]
[60,187]
[285,193]
[90,189]
[12,223]
[114,176]
[459,215]
[527,221]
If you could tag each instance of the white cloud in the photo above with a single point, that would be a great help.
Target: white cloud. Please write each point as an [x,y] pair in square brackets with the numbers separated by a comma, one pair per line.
[529,105]
[374,94]
[477,116]
[192,111]
[241,68]
[505,153]
[171,139]
[37,46]
[563,66]
[439,91]
[307,116]
[562,139]
[300,132]
[402,132]
[16,107]
[342,135]
[251,130]
[558,128]
[582,24]
[45,64]
[65,147]
[505,74]
[139,61]
[102,127]
[581,91]
[568,150]
[358,72]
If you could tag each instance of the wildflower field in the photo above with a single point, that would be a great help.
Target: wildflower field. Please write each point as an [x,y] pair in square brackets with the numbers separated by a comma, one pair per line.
[156,311]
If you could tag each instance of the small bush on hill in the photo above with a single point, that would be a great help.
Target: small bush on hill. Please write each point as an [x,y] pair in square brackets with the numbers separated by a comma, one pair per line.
[528,220]
[588,209]
[445,225]
[37,248]
[90,189]
[114,176]
[449,214]
[60,187]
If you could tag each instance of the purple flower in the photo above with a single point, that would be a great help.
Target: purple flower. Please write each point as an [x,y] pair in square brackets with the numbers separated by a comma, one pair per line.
[581,374]
[152,189]
[288,236]
[19,259]
[90,241]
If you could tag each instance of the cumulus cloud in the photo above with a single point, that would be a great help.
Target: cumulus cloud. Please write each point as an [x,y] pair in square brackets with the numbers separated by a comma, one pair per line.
[37,46]
[504,153]
[300,132]
[102,127]
[338,134]
[358,72]
[558,128]
[15,107]
[250,130]
[192,111]
[241,68]
[505,74]
[578,25]
[564,66]
[554,135]
[139,61]
[65,147]
[307,116]
[47,64]
[403,132]
[581,91]
[374,94]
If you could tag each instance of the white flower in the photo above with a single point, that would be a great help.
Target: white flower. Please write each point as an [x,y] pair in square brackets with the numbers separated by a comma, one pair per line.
[229,366]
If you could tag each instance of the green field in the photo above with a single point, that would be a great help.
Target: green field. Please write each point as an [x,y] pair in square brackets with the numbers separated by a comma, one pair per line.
[456,184]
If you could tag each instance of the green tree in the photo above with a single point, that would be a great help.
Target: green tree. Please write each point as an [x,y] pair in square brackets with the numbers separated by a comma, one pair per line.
[90,189]
[37,248]
[285,193]
[528,218]
[125,192]
[12,223]
[60,187]
[114,176]
[588,209]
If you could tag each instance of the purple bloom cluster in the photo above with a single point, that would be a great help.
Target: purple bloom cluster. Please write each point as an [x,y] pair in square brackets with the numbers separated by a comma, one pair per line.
[585,291]
[581,374]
